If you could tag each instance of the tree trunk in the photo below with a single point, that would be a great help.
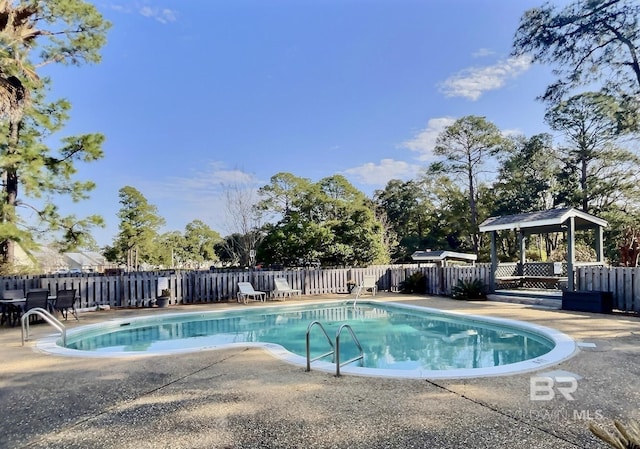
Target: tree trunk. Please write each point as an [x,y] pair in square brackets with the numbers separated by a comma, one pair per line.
[583,186]
[474,211]
[130,260]
[7,246]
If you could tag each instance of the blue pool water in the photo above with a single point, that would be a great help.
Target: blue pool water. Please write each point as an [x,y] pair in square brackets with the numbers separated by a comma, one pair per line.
[395,338]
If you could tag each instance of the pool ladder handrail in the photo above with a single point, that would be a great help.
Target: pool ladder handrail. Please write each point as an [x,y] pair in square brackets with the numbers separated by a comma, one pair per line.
[359,290]
[332,352]
[335,349]
[45,315]
[355,340]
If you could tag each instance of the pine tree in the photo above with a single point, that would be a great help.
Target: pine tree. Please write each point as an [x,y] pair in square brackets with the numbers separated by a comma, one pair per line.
[139,224]
[67,32]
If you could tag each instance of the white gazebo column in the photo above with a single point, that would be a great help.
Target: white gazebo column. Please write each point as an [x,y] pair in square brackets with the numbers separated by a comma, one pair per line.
[494,262]
[599,244]
[522,248]
[571,253]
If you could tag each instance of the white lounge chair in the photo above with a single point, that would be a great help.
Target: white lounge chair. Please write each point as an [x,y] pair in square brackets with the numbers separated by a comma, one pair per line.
[282,288]
[246,292]
[368,284]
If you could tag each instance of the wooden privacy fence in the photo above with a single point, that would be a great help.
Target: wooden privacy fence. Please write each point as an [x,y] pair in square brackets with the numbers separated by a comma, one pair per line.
[191,287]
[623,282]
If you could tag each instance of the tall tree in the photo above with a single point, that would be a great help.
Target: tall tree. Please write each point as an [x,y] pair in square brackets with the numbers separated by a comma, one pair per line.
[200,241]
[526,177]
[65,32]
[230,250]
[330,222]
[170,250]
[596,172]
[449,223]
[139,224]
[587,41]
[467,146]
[527,182]
[279,196]
[357,237]
[244,220]
[294,238]
[410,216]
[294,242]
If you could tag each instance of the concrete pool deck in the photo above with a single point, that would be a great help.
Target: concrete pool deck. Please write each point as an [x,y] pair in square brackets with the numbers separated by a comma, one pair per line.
[246,398]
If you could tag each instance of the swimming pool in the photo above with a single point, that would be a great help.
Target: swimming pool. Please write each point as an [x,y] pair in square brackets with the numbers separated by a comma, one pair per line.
[398,340]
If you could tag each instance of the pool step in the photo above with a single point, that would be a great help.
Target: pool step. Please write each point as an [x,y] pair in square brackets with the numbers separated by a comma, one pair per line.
[546,299]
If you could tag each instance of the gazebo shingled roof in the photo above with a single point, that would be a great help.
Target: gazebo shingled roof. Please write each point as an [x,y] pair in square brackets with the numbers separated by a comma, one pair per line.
[552,220]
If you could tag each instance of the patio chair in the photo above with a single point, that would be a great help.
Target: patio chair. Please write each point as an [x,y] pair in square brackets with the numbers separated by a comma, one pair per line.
[368,284]
[37,298]
[65,301]
[282,288]
[246,292]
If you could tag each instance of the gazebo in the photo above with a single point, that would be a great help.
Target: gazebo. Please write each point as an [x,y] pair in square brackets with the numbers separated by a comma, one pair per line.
[566,220]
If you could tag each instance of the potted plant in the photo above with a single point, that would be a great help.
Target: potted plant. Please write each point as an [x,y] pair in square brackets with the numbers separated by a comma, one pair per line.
[163,299]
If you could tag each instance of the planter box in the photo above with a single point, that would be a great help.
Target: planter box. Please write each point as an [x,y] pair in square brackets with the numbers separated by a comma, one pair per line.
[588,301]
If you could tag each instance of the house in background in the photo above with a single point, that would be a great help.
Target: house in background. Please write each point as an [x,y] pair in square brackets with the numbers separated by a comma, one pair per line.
[22,259]
[85,262]
[49,260]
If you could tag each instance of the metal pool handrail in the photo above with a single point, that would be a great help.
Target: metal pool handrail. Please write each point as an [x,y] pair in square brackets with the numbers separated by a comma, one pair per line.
[355,339]
[309,360]
[45,316]
[335,349]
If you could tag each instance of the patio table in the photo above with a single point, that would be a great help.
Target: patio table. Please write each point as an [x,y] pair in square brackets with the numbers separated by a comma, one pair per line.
[11,309]
[14,308]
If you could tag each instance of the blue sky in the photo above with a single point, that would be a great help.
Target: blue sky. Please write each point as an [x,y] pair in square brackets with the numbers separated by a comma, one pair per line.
[195,94]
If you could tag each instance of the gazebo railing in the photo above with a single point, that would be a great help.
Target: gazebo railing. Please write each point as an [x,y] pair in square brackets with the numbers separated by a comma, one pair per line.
[507,269]
[538,275]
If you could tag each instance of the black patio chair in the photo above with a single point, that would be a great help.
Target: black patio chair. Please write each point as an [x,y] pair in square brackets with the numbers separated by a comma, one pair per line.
[65,301]
[36,298]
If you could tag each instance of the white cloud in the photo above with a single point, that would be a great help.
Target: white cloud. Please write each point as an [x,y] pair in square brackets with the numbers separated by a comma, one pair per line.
[386,170]
[181,199]
[471,83]
[211,180]
[481,53]
[424,142]
[162,15]
[119,8]
[512,132]
[234,176]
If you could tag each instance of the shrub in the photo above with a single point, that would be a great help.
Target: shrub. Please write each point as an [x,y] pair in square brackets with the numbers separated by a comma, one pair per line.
[416,283]
[470,289]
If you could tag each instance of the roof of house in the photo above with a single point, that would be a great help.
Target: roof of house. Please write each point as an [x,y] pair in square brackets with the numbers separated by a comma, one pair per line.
[442,255]
[96,256]
[552,220]
[86,258]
